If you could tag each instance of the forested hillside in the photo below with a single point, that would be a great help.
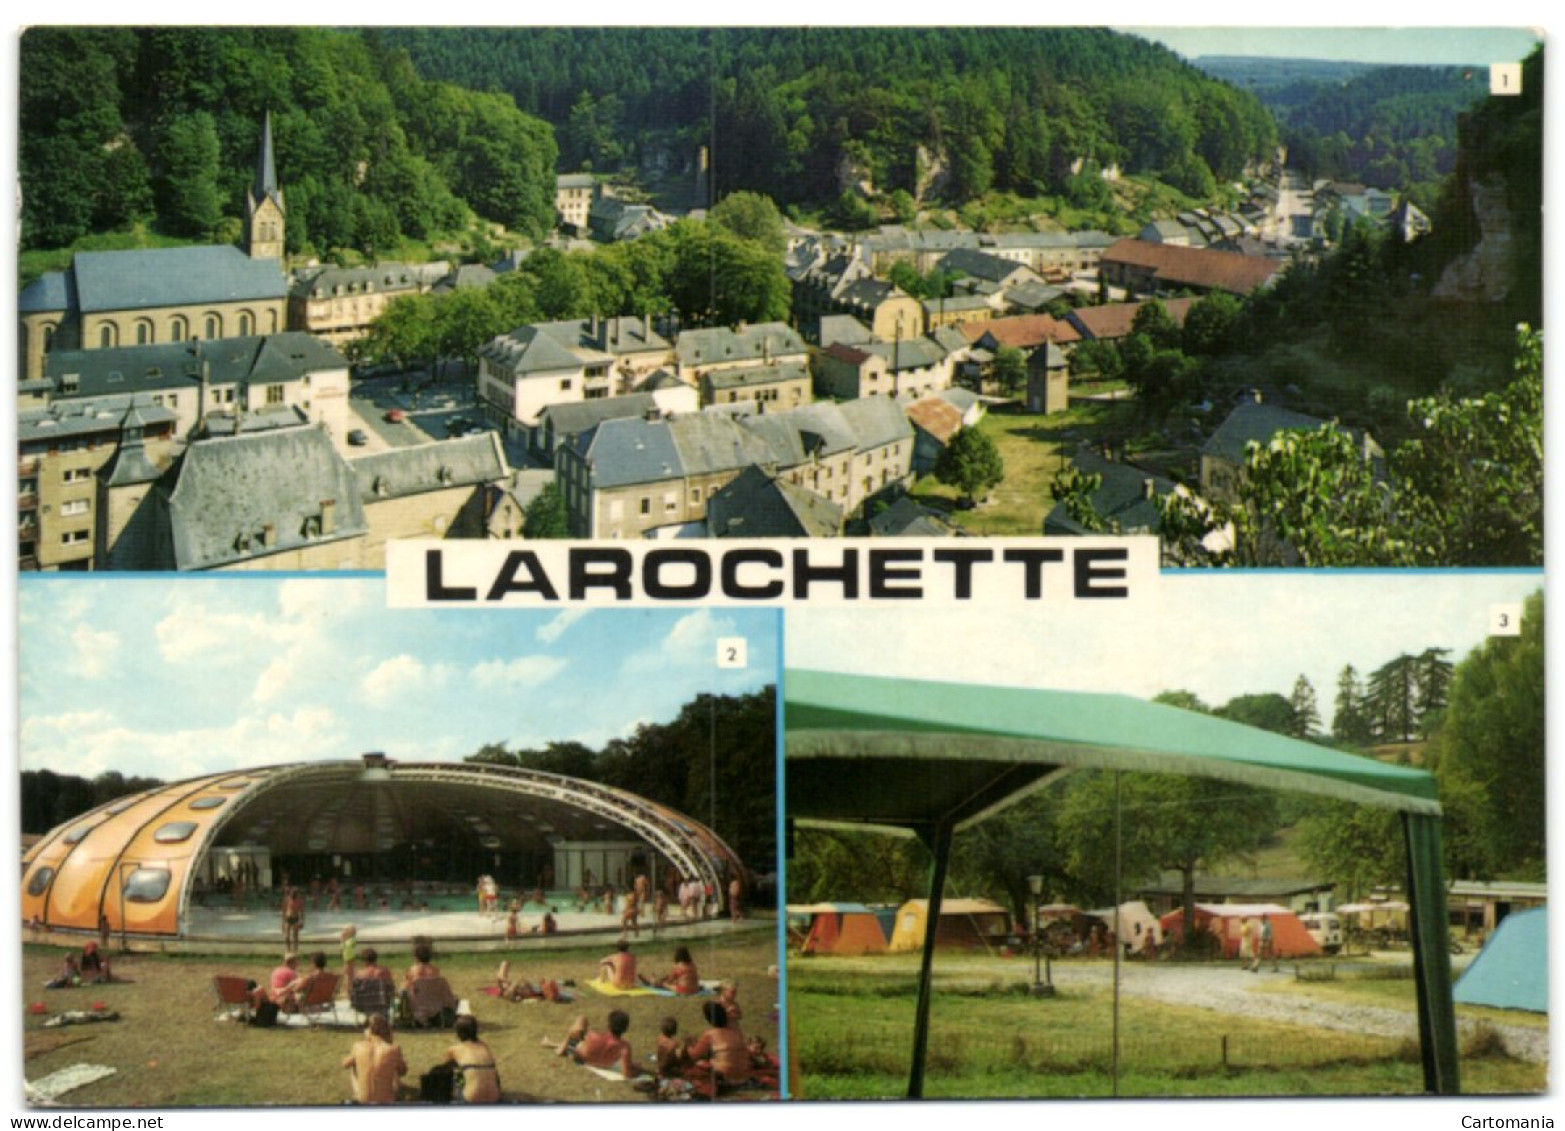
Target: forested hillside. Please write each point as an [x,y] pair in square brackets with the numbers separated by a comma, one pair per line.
[1390,127]
[121,126]
[804,114]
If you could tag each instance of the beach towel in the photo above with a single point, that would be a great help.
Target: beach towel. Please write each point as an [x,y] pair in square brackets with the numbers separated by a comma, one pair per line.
[609,989]
[49,1089]
[615,1075]
[79,1017]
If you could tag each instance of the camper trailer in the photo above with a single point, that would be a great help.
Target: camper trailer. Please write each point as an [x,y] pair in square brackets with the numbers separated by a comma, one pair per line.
[1325,928]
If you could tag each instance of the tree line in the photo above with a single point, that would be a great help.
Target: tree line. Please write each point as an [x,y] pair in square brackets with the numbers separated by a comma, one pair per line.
[715,761]
[802,113]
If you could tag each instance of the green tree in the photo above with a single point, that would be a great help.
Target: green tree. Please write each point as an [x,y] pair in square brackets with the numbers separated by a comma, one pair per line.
[998,855]
[1010,370]
[1348,721]
[1489,757]
[751,216]
[971,463]
[187,189]
[1392,699]
[1357,847]
[1211,324]
[1305,715]
[832,865]
[1166,823]
[545,516]
[1268,711]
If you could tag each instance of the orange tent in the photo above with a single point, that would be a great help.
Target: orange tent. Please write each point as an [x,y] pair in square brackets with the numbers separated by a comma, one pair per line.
[840,928]
[1225,920]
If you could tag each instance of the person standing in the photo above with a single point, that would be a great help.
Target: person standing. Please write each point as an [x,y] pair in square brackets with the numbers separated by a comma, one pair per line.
[1268,948]
[1247,960]
[293,919]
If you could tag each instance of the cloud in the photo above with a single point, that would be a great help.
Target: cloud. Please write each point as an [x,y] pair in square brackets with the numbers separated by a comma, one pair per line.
[691,642]
[402,675]
[551,631]
[195,631]
[91,743]
[304,598]
[274,680]
[93,653]
[518,672]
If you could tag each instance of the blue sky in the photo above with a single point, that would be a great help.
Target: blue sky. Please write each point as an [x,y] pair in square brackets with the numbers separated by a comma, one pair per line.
[1413,45]
[1217,633]
[182,677]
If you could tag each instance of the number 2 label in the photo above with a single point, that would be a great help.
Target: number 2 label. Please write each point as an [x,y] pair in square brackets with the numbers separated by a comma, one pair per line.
[732,652]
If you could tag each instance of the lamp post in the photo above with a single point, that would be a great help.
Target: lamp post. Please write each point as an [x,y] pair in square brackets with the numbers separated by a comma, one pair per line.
[1040,986]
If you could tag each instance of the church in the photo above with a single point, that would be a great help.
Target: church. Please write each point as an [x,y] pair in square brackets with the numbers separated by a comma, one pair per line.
[108,299]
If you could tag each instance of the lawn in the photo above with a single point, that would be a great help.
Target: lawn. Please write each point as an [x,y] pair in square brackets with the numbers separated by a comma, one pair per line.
[1033,449]
[170,1052]
[853,1023]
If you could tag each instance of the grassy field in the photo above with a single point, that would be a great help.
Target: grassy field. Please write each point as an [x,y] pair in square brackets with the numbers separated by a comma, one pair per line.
[1031,448]
[853,1023]
[170,1052]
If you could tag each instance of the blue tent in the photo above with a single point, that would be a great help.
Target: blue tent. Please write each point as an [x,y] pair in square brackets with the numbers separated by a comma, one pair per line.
[1512,969]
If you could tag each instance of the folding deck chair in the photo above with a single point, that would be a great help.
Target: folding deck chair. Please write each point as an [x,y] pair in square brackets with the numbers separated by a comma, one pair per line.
[233,996]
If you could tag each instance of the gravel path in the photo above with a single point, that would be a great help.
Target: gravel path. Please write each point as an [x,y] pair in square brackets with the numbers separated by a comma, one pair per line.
[1230,990]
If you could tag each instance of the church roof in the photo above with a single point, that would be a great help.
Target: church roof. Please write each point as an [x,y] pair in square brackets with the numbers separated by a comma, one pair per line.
[151,278]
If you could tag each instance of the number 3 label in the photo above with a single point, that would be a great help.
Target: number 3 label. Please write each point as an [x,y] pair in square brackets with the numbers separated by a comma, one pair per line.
[1505,620]
[732,652]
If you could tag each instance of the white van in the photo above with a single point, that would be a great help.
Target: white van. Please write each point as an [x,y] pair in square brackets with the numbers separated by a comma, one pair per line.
[1325,928]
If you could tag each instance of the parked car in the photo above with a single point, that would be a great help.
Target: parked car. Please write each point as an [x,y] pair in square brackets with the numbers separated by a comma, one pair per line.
[1325,928]
[358,438]
[396,415]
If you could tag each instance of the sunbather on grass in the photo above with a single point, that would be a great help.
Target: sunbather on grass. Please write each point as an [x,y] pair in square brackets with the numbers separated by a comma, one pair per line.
[597,1048]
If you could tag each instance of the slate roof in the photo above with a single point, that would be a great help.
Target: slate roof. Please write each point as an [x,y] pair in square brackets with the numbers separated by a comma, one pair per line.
[757,375]
[844,328]
[1254,422]
[152,278]
[575,417]
[88,416]
[955,303]
[915,353]
[982,265]
[574,180]
[1113,320]
[962,399]
[949,338]
[222,494]
[630,450]
[1090,237]
[876,421]
[711,442]
[52,291]
[436,466]
[1121,498]
[262,359]
[721,343]
[906,519]
[529,350]
[384,278]
[615,336]
[869,293]
[467,276]
[1195,266]
[1031,296]
[758,505]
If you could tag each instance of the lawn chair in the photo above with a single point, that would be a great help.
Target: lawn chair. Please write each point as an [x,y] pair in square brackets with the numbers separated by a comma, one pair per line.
[233,996]
[318,1002]
[432,1003]
[372,995]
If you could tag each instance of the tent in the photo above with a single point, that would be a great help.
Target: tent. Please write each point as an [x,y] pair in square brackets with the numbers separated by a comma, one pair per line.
[840,928]
[1135,920]
[930,759]
[1512,969]
[1387,914]
[968,924]
[1290,938]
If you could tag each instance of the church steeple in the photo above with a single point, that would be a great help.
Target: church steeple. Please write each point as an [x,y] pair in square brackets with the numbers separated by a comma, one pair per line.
[265,211]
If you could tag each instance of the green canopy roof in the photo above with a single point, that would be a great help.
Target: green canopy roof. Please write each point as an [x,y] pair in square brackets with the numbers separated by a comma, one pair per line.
[931,758]
[909,753]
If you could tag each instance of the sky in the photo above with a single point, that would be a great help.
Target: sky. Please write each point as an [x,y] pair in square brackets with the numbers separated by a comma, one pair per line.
[176,678]
[1409,45]
[1217,633]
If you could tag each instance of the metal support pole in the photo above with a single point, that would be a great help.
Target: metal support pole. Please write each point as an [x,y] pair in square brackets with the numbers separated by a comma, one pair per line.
[939,844]
[1117,898]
